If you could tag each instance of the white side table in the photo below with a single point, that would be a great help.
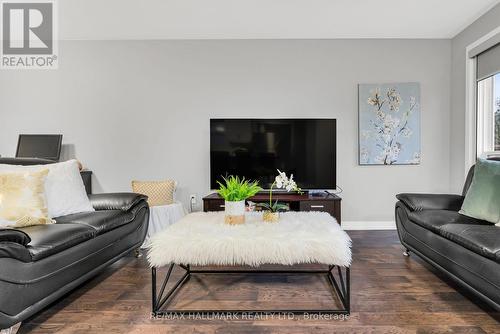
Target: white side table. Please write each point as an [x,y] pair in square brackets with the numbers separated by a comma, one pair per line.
[160,217]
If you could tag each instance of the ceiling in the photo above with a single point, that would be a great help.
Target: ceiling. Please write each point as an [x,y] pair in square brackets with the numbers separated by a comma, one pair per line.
[266,19]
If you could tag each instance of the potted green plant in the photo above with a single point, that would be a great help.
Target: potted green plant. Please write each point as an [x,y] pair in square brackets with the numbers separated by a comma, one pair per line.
[271,213]
[235,191]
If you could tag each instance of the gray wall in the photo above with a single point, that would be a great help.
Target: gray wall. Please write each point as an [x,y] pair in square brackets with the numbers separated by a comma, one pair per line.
[140,109]
[476,30]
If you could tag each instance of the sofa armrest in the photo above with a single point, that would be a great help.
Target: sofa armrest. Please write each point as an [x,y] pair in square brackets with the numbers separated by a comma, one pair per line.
[14,236]
[419,202]
[13,244]
[116,201]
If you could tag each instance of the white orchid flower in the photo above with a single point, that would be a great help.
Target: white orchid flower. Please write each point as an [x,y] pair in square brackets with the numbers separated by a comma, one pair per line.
[281,179]
[283,182]
[278,181]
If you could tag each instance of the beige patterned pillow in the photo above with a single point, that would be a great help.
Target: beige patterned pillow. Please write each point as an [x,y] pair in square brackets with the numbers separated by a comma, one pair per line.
[22,199]
[158,192]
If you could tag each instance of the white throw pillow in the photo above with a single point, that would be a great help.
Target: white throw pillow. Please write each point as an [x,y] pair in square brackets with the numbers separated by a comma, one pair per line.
[64,188]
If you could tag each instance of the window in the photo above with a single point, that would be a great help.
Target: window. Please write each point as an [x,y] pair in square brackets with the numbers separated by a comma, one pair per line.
[488,116]
[497,111]
[481,118]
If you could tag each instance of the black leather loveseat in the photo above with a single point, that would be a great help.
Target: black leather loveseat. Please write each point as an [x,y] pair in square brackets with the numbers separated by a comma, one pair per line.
[465,249]
[39,264]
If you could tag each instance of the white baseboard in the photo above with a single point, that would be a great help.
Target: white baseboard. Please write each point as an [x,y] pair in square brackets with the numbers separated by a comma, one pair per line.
[369,225]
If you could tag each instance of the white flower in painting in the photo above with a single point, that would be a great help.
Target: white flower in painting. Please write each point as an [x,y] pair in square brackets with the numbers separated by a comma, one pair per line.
[384,154]
[413,101]
[406,132]
[389,154]
[364,154]
[380,115]
[366,134]
[379,159]
[374,98]
[415,160]
[395,150]
[390,123]
[394,122]
[394,99]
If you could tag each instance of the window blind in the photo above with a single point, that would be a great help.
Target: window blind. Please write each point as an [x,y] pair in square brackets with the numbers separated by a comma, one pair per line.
[488,62]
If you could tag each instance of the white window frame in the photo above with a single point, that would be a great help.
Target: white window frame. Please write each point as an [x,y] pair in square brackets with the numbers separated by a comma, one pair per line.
[485,117]
[471,100]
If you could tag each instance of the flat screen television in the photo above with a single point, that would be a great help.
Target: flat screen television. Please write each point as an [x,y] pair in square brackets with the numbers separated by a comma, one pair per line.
[256,148]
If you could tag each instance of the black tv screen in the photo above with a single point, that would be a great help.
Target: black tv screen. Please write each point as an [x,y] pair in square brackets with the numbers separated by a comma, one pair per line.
[256,148]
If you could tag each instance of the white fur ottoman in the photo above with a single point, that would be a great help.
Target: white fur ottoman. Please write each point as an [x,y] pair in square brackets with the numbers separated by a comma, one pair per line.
[299,237]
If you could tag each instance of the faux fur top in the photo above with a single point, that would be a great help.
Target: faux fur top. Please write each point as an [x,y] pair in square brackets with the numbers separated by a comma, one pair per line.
[298,237]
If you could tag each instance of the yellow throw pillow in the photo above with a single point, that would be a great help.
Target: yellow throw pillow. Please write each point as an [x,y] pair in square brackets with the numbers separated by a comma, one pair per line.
[158,192]
[22,199]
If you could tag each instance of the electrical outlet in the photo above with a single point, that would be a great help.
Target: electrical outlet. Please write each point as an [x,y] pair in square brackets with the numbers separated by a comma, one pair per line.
[192,198]
[192,202]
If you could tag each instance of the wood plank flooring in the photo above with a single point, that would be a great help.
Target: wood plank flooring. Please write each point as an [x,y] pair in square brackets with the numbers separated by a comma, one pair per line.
[390,294]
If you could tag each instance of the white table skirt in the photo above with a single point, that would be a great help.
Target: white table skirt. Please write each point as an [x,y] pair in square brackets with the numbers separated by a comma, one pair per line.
[161,217]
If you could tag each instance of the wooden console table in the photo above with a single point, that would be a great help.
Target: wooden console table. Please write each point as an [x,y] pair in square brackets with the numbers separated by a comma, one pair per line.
[325,202]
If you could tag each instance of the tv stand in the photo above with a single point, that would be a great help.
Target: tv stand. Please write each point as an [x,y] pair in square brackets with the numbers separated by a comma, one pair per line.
[325,202]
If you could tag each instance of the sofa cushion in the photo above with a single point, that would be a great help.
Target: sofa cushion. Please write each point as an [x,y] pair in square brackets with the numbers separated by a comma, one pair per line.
[435,219]
[476,235]
[101,221]
[483,239]
[50,239]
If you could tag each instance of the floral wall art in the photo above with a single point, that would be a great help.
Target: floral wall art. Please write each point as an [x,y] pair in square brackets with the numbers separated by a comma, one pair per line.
[389,124]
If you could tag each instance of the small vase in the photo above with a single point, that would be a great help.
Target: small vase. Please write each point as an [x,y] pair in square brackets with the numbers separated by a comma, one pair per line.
[235,212]
[270,217]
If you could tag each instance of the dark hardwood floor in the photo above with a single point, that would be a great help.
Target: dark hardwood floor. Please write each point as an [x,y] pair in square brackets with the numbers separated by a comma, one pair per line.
[390,294]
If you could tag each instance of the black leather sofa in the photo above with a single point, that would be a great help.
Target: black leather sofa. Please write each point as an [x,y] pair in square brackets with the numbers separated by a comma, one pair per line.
[39,264]
[465,249]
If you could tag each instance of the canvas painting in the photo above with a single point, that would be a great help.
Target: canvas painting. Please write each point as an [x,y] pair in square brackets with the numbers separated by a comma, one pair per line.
[389,124]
